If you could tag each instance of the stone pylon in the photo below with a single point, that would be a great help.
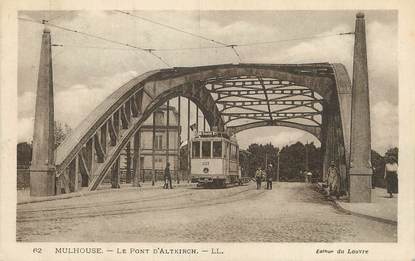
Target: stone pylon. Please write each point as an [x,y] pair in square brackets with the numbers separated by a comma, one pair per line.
[42,171]
[360,143]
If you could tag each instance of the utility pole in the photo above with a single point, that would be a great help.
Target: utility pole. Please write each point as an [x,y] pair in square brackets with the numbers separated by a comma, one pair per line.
[179,137]
[188,141]
[306,156]
[266,160]
[167,132]
[153,149]
[278,166]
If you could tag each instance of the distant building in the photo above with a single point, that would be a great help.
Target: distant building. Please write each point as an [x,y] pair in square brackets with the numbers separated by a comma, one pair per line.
[160,153]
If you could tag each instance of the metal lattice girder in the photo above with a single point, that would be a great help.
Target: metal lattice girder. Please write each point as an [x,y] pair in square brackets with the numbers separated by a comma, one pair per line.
[297,91]
[276,114]
[314,130]
[272,102]
[264,94]
[258,98]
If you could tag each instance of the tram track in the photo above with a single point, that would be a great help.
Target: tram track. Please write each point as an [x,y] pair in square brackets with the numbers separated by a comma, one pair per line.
[251,194]
[118,202]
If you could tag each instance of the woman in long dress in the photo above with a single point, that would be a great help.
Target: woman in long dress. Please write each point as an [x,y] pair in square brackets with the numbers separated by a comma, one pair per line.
[391,175]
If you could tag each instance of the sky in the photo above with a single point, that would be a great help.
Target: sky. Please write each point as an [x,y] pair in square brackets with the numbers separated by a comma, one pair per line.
[87,70]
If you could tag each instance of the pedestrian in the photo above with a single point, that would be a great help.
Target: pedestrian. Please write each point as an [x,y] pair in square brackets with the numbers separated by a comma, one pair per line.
[167,177]
[308,176]
[258,178]
[305,176]
[332,179]
[269,176]
[391,175]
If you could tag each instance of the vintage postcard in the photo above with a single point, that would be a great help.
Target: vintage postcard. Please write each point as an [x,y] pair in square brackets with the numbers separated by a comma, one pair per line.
[203,130]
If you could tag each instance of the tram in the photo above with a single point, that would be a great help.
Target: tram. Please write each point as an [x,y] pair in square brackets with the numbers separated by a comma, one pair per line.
[214,159]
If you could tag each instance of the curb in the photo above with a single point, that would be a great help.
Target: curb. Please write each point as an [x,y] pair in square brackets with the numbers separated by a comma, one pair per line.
[80,194]
[379,219]
[349,212]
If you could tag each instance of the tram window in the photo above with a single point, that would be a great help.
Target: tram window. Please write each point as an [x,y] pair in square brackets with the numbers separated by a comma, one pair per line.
[196,149]
[206,149]
[217,149]
[233,152]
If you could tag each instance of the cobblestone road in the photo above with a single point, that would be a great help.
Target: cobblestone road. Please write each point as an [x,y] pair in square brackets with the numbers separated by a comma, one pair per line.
[292,212]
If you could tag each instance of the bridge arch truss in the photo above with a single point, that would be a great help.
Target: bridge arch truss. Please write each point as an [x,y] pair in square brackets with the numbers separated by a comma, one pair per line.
[310,97]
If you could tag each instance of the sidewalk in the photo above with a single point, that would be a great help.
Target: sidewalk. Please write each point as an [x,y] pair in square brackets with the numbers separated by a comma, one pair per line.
[382,208]
[23,196]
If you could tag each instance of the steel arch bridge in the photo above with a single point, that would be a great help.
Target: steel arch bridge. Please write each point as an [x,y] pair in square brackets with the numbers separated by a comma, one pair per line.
[316,98]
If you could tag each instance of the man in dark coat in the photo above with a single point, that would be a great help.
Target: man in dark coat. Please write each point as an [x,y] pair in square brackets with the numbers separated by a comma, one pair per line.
[269,176]
[258,178]
[167,176]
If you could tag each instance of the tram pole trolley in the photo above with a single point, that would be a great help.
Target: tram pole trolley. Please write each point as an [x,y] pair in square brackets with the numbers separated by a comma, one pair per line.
[214,159]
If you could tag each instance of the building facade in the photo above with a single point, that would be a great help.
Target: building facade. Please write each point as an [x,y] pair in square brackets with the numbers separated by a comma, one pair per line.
[166,144]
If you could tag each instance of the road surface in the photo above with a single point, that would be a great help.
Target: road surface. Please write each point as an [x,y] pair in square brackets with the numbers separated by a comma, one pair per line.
[291,212]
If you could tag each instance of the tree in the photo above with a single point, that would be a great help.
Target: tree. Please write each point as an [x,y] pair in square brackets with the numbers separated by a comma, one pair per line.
[62,130]
[24,149]
[292,159]
[24,154]
[258,156]
[244,156]
[378,167]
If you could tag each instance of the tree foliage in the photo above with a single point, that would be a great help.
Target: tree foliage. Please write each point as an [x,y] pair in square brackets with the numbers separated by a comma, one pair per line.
[62,130]
[293,161]
[24,154]
[24,149]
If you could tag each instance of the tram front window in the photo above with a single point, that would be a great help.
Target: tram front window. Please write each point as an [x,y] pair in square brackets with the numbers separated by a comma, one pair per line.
[196,149]
[206,149]
[217,149]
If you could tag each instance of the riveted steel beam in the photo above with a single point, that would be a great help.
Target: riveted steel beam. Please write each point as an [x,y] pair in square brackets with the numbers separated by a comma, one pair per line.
[99,149]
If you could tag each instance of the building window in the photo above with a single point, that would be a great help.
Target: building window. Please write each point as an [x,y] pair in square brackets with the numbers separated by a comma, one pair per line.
[158,144]
[159,118]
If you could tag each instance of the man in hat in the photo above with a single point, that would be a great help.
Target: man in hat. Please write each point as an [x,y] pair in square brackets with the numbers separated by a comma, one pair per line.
[258,178]
[269,176]
[167,176]
[332,179]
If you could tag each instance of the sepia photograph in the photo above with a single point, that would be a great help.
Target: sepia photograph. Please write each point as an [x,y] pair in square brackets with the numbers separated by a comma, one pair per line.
[224,126]
[207,126]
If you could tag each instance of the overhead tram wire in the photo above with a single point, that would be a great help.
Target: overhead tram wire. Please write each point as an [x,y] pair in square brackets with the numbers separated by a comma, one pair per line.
[29,20]
[150,51]
[293,39]
[173,28]
[59,16]
[225,45]
[236,52]
[211,47]
[254,43]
